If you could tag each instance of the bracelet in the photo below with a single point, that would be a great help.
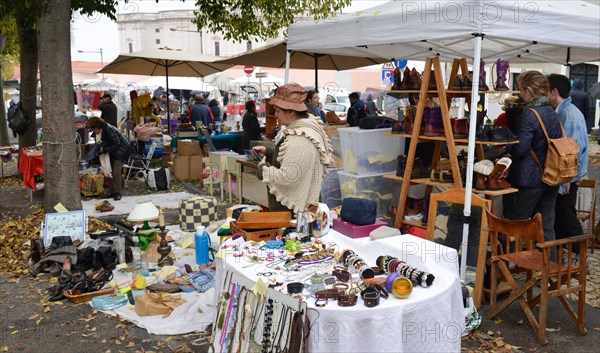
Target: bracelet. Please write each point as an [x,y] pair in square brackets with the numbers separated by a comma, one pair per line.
[371,299]
[377,270]
[390,280]
[367,273]
[319,303]
[340,287]
[329,280]
[383,293]
[401,287]
[295,287]
[317,278]
[341,275]
[347,300]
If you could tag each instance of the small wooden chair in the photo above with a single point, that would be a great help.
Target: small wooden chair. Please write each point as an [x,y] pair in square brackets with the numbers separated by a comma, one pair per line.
[523,250]
[458,196]
[589,215]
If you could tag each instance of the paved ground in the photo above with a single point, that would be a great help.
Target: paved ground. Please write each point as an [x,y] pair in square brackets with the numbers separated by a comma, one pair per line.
[28,323]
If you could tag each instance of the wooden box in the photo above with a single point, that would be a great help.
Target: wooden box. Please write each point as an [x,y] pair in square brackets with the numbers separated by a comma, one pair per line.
[263,220]
[255,235]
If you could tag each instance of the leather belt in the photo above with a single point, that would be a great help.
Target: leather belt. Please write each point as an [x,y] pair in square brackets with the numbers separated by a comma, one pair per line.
[347,299]
[327,294]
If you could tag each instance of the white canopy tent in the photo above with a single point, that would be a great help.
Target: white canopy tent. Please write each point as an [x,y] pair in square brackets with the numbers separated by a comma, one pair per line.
[563,32]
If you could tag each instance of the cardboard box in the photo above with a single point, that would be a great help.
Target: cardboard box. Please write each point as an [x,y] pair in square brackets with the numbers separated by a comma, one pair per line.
[353,231]
[187,167]
[181,167]
[332,130]
[167,149]
[196,166]
[188,148]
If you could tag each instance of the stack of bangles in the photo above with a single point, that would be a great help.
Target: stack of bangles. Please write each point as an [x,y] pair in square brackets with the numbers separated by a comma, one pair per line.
[390,264]
[356,264]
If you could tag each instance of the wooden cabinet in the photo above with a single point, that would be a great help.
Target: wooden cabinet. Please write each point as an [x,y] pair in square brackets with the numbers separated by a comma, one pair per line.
[270,119]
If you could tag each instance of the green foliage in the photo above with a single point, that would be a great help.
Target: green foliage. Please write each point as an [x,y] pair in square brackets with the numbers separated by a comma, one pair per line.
[29,9]
[239,20]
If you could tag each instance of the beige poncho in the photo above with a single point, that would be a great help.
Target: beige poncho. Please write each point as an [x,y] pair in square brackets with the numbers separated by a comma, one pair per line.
[303,156]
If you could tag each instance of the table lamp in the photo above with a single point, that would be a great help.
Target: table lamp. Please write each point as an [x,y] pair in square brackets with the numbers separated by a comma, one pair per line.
[143,212]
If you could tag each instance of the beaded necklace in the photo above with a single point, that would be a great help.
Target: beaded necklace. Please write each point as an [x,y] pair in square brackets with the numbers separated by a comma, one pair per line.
[242,338]
[232,299]
[240,306]
[266,341]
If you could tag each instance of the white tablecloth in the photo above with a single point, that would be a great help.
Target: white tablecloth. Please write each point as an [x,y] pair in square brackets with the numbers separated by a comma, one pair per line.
[430,320]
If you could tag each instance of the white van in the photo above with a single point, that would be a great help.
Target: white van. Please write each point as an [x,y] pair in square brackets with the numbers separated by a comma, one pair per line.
[339,96]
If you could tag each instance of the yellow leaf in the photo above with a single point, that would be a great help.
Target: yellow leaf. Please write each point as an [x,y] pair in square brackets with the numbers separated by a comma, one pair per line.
[520,322]
[47,309]
[87,334]
[552,329]
[130,344]
[507,346]
[33,316]
[498,321]
[5,349]
[38,321]
[14,332]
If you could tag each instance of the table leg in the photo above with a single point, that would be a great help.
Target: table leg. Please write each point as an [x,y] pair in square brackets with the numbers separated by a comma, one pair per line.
[240,182]
[221,176]
[210,180]
[229,186]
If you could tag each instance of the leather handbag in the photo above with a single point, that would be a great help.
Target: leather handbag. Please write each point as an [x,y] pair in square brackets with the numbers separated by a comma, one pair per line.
[359,211]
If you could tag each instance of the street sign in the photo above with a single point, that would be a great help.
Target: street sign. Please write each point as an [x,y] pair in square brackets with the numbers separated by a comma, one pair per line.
[400,64]
[387,76]
[248,69]
[388,66]
[261,74]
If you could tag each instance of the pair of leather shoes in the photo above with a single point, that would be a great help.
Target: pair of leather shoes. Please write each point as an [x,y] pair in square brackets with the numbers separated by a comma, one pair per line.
[105,207]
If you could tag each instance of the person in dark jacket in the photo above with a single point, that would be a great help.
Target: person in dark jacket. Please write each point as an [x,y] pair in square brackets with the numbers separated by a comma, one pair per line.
[214,108]
[525,173]
[357,110]
[117,146]
[11,113]
[200,112]
[108,109]
[372,108]
[250,125]
[581,99]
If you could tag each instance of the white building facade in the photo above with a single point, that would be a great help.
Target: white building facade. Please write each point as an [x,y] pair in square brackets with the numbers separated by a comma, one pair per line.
[174,30]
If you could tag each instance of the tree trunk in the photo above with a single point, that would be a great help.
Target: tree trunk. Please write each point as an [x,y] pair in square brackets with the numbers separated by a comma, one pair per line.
[3,125]
[58,124]
[29,66]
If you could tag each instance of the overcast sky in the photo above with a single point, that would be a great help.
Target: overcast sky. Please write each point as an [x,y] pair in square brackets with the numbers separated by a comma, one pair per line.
[90,34]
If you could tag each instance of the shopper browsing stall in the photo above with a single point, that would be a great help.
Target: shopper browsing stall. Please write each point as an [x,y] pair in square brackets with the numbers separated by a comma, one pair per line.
[525,173]
[118,149]
[566,223]
[294,171]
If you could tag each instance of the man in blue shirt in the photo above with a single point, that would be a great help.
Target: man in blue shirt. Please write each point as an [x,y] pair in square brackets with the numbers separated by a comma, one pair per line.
[566,223]
[200,112]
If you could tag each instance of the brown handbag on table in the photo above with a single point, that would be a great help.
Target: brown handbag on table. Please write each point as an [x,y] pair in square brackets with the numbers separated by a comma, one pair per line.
[150,304]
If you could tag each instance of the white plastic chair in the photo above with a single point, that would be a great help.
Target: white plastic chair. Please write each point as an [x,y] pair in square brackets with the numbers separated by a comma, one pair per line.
[139,164]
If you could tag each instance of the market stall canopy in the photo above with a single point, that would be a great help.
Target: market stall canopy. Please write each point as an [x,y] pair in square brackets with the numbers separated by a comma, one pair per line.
[165,63]
[188,83]
[274,56]
[519,31]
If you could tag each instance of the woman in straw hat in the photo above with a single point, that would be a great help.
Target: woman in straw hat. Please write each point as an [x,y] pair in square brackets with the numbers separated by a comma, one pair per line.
[294,171]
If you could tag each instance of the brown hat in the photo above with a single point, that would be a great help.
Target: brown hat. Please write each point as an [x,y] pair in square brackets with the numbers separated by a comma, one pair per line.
[290,97]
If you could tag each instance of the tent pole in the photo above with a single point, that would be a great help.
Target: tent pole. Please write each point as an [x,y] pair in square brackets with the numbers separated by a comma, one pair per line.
[316,72]
[168,107]
[287,67]
[470,153]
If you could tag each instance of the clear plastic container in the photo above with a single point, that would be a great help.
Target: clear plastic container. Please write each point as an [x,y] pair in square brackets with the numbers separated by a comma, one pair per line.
[373,187]
[367,152]
[144,265]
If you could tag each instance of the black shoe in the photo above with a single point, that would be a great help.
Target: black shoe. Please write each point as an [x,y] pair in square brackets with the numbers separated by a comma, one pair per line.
[117,197]
[108,196]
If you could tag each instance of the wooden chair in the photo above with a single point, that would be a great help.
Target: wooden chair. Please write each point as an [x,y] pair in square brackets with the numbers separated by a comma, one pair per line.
[589,215]
[458,196]
[522,249]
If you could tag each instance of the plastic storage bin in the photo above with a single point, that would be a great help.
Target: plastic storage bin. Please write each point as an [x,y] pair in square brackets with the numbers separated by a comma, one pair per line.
[370,151]
[374,187]
[331,194]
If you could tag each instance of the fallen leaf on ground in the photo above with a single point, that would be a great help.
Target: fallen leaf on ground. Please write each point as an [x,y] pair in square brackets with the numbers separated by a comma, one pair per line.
[14,332]
[520,322]
[33,316]
[549,329]
[498,321]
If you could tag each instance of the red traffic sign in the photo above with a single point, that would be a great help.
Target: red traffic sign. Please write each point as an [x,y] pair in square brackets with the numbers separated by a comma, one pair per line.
[248,69]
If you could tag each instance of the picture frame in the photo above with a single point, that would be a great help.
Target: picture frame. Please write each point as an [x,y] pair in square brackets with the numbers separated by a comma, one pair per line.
[72,224]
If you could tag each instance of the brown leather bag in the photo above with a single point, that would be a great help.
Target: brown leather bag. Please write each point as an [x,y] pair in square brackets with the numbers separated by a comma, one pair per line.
[561,159]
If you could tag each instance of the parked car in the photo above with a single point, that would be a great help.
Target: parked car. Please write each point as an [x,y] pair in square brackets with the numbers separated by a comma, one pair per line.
[340,109]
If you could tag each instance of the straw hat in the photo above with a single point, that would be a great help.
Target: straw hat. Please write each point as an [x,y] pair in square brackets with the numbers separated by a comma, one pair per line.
[290,97]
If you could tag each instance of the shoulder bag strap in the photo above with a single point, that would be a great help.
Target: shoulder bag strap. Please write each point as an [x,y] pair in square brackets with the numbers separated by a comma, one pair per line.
[537,115]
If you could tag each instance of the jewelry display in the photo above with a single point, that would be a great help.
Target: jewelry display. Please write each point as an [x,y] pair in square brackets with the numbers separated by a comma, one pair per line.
[390,264]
